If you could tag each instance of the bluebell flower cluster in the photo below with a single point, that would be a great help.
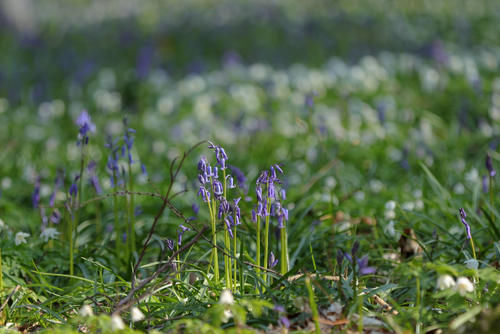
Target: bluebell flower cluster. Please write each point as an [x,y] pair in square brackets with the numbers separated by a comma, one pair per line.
[85,123]
[214,184]
[270,197]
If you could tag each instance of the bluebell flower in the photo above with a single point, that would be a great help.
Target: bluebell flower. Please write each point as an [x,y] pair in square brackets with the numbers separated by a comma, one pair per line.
[35,197]
[85,123]
[489,166]
[463,215]
[170,244]
[180,233]
[228,222]
[273,261]
[143,170]
[58,184]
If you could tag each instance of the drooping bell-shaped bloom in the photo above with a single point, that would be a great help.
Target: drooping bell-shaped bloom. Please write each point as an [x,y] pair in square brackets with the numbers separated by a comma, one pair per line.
[463,215]
[85,123]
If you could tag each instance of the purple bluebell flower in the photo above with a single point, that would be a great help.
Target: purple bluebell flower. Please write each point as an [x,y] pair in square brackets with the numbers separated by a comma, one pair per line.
[217,188]
[231,184]
[340,257]
[258,192]
[35,197]
[94,180]
[489,166]
[205,194]
[85,124]
[463,215]
[283,194]
[285,322]
[240,177]
[55,217]
[144,170]
[180,233]
[129,142]
[196,208]
[73,189]
[364,269]
[137,210]
[170,244]
[228,222]
[273,261]
[309,100]
[58,184]
[254,216]
[202,164]
[279,308]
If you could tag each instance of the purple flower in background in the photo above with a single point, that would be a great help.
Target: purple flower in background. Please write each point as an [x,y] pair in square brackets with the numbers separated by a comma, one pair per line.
[240,177]
[196,208]
[463,215]
[35,197]
[137,210]
[273,261]
[85,124]
[489,166]
[229,221]
[364,269]
[285,322]
[180,233]
[73,189]
[55,217]
[254,216]
[170,244]
[143,169]
[58,184]
[128,139]
[94,180]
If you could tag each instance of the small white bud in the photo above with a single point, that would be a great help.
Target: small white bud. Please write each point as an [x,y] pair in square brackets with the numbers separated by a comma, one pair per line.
[116,323]
[226,298]
[136,314]
[86,311]
[445,282]
[464,285]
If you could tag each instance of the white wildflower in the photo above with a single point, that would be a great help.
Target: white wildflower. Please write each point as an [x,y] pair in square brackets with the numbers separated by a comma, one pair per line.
[86,311]
[136,314]
[21,238]
[445,282]
[389,210]
[408,206]
[226,316]
[116,323]
[359,195]
[390,205]
[472,176]
[226,298]
[49,233]
[459,189]
[2,224]
[376,186]
[389,229]
[464,285]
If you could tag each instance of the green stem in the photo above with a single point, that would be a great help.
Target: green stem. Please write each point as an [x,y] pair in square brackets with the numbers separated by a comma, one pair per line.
[314,307]
[1,276]
[284,250]
[258,246]
[266,238]
[214,241]
[235,267]
[491,199]
[118,240]
[131,215]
